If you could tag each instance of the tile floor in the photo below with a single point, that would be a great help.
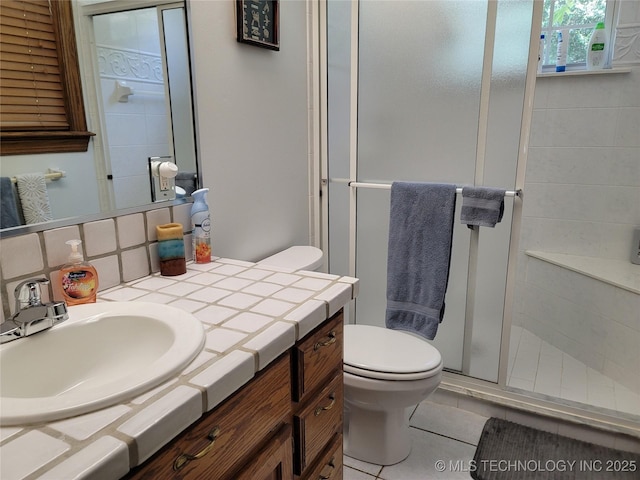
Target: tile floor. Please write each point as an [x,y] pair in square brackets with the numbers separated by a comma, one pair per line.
[535,365]
[440,433]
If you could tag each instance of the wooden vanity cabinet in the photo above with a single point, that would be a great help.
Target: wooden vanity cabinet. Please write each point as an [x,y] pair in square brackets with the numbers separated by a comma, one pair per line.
[318,397]
[329,464]
[273,462]
[285,423]
[229,436]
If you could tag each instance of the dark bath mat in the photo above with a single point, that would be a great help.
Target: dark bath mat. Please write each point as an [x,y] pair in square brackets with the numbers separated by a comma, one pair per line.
[511,451]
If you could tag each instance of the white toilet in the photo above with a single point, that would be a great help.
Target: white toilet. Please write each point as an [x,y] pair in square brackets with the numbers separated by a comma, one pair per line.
[385,372]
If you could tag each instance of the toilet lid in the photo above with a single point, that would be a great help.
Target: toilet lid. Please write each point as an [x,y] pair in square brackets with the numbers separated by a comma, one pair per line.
[378,349]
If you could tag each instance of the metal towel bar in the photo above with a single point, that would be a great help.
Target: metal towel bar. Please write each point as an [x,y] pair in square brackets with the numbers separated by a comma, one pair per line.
[387,186]
[50,175]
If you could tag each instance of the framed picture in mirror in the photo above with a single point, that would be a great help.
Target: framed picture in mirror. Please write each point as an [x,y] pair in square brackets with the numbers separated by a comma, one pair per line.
[258,23]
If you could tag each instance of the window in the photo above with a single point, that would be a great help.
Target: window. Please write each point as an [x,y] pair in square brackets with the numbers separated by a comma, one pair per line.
[40,93]
[580,18]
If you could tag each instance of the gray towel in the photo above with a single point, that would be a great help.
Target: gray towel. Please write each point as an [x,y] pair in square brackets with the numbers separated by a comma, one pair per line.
[9,216]
[32,190]
[482,206]
[420,235]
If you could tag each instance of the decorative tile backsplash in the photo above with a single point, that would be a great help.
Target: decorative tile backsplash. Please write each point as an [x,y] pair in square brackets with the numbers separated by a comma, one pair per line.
[122,249]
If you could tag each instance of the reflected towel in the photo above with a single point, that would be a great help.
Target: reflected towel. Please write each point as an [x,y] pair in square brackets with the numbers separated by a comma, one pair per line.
[482,206]
[420,235]
[9,216]
[32,190]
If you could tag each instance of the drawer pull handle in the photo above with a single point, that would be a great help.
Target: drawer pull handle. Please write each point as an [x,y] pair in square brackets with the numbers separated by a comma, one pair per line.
[331,466]
[319,410]
[332,339]
[185,458]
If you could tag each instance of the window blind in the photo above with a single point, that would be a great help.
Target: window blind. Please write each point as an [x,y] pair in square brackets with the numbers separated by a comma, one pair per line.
[31,93]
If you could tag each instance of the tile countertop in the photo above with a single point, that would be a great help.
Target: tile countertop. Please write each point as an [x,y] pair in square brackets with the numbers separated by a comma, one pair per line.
[251,314]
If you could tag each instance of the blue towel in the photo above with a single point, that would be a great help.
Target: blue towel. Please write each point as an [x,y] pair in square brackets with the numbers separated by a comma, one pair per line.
[420,235]
[482,206]
[9,216]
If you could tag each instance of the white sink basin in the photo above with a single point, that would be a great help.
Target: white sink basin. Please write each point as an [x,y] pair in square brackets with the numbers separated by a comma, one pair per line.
[104,354]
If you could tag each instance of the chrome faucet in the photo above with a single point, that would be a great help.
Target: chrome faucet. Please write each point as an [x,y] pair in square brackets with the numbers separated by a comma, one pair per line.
[32,316]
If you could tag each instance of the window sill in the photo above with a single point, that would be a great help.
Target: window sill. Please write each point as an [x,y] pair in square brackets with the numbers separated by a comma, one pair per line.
[574,73]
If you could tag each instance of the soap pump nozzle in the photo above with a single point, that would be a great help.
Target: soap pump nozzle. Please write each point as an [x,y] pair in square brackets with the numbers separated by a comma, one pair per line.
[75,256]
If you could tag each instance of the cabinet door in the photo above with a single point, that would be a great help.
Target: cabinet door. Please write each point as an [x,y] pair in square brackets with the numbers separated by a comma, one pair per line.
[273,462]
[222,440]
[317,422]
[316,357]
[329,465]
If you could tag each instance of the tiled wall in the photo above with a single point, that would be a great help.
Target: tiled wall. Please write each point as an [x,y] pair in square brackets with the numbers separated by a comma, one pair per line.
[121,248]
[582,182]
[594,322]
[582,197]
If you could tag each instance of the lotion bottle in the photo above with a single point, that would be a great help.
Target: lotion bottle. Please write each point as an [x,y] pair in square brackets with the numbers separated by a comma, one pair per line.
[563,44]
[541,52]
[596,53]
[201,227]
[79,278]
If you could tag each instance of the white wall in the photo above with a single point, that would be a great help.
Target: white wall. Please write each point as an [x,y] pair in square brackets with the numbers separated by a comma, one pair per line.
[73,195]
[252,115]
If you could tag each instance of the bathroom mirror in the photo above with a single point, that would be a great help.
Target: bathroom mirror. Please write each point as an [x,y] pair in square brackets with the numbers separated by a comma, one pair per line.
[136,77]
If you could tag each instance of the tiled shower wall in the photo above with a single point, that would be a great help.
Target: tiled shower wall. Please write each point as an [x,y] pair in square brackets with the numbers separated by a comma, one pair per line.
[582,182]
[582,197]
[121,248]
[590,320]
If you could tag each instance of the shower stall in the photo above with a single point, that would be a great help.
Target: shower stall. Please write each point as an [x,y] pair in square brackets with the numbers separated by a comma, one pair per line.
[440,95]
[443,93]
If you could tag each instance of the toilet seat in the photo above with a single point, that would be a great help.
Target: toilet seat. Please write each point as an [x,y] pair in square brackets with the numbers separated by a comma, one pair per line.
[385,354]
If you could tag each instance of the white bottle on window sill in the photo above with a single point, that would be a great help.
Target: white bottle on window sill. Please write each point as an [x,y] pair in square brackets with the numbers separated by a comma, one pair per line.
[596,50]
[541,52]
[563,44]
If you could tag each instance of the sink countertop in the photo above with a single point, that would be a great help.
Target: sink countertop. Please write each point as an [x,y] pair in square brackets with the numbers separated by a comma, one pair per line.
[251,314]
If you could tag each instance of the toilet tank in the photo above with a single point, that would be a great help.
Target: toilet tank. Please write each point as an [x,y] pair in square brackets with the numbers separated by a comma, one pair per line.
[296,258]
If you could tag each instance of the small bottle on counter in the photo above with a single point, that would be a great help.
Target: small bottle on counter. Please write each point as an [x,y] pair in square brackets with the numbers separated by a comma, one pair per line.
[79,278]
[201,227]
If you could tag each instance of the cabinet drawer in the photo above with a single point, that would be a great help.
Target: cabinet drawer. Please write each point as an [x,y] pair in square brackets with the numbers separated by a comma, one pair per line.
[274,461]
[329,465]
[213,447]
[316,357]
[317,422]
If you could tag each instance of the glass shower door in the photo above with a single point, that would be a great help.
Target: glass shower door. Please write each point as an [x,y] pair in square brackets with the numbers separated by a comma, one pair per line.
[435,96]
